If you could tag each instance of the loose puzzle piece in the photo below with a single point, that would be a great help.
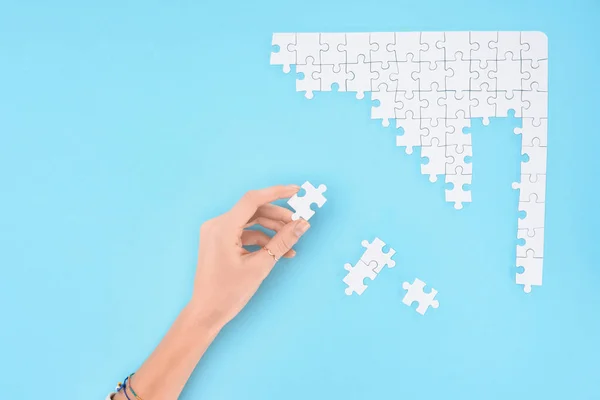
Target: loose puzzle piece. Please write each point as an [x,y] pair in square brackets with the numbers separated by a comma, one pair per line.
[532,271]
[356,276]
[375,254]
[415,293]
[302,204]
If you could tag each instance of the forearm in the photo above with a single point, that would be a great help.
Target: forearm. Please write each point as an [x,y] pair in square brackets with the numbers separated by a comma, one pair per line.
[164,374]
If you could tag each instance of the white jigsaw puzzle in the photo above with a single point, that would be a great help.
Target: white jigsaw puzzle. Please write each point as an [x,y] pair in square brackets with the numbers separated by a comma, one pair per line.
[301,205]
[532,271]
[416,293]
[369,266]
[374,253]
[427,80]
[356,276]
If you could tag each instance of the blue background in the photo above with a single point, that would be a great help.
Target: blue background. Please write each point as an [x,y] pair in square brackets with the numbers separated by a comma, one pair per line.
[126,124]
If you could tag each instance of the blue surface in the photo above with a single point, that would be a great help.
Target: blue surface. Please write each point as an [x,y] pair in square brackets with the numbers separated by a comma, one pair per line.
[124,125]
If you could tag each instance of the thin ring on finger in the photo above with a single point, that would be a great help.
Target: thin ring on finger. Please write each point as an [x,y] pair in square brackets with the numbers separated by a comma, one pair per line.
[271,254]
[258,238]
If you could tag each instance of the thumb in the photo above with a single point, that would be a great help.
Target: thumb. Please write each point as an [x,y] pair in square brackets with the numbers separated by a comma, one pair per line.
[282,242]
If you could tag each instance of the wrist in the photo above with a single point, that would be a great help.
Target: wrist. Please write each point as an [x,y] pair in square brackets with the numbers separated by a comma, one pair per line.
[202,318]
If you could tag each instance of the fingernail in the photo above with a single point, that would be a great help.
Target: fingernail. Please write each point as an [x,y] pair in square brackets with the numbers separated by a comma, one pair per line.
[301,227]
[294,187]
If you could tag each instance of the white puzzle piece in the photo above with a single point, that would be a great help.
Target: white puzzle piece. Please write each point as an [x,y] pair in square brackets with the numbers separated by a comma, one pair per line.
[532,271]
[458,194]
[416,293]
[437,160]
[531,184]
[533,242]
[433,84]
[531,130]
[302,204]
[285,56]
[375,254]
[356,276]
[534,214]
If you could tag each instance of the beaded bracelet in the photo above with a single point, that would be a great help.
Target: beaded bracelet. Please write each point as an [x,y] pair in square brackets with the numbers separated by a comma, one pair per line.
[123,387]
[131,388]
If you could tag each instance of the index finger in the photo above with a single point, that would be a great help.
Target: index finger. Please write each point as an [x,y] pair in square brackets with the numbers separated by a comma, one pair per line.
[244,209]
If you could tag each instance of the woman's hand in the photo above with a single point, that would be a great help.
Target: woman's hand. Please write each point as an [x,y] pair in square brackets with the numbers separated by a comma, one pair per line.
[227,275]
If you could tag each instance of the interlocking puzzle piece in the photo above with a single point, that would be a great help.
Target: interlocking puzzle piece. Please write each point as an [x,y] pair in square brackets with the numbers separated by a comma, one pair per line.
[403,79]
[534,214]
[536,74]
[455,134]
[533,242]
[381,53]
[433,107]
[504,102]
[457,46]
[416,293]
[361,76]
[356,276]
[308,45]
[482,50]
[532,271]
[302,204]
[384,72]
[407,44]
[460,76]
[484,76]
[535,46]
[436,129]
[509,45]
[458,101]
[333,55]
[310,82]
[412,131]
[532,129]
[538,156]
[285,56]
[330,74]
[409,104]
[434,42]
[375,254]
[509,76]
[535,103]
[531,184]
[387,106]
[357,45]
[458,195]
[483,106]
[437,160]
[458,155]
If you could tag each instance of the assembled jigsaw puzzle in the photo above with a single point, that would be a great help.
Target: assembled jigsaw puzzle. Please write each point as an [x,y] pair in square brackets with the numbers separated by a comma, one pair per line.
[432,84]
